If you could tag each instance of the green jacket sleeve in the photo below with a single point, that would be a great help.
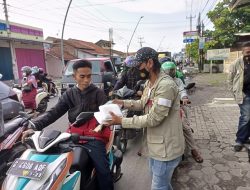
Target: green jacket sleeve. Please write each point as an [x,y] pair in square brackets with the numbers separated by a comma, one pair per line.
[165,95]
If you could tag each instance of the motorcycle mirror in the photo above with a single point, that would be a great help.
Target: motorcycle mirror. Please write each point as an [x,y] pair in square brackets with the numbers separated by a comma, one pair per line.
[83,117]
[23,114]
[190,85]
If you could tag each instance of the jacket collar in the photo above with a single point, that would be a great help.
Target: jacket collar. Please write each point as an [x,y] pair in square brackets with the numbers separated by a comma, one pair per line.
[89,89]
[162,75]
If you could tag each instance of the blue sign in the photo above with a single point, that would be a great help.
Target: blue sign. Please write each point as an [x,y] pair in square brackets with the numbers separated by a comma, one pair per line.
[3,26]
[188,40]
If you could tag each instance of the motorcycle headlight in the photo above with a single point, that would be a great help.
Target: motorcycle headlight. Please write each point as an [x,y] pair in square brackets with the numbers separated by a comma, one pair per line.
[53,177]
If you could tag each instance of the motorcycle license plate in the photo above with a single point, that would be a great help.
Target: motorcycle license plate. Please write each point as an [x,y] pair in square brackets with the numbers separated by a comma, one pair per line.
[28,169]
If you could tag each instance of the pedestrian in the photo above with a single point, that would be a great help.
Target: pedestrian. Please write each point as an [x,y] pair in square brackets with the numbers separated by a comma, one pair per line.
[161,121]
[169,68]
[84,97]
[239,85]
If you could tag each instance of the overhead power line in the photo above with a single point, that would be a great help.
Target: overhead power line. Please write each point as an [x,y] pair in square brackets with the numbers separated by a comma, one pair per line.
[204,7]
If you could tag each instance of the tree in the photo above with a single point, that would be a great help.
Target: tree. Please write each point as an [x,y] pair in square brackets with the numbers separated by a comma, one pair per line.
[192,50]
[227,23]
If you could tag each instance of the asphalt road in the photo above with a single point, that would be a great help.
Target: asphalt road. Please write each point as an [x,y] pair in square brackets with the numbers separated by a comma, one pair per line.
[134,168]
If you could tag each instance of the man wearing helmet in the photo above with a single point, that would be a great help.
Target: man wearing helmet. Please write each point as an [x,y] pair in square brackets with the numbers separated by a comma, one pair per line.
[169,68]
[29,86]
[131,76]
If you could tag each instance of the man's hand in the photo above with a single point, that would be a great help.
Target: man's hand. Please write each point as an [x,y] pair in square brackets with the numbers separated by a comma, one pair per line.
[139,93]
[110,93]
[26,134]
[116,120]
[119,102]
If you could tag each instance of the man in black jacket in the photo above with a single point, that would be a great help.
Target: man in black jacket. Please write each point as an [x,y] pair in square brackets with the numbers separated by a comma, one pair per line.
[131,76]
[84,97]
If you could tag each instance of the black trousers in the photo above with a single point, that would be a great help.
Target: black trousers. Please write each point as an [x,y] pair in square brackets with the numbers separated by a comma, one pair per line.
[97,153]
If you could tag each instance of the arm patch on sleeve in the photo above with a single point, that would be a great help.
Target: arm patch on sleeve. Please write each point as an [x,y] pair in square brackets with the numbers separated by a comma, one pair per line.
[164,102]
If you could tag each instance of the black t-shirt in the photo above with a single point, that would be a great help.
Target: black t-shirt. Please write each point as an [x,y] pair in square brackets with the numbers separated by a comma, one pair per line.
[246,83]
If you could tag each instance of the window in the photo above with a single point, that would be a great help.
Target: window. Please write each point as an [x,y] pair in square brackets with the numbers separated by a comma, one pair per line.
[95,67]
[108,66]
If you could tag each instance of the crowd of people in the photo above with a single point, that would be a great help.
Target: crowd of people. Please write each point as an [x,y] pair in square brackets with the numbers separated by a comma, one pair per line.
[164,103]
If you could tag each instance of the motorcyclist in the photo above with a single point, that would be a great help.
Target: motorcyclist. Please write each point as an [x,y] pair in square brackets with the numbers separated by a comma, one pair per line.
[169,68]
[29,86]
[41,78]
[131,76]
[179,74]
[84,97]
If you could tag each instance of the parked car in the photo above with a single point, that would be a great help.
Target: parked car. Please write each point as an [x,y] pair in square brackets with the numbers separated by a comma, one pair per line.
[103,71]
[9,100]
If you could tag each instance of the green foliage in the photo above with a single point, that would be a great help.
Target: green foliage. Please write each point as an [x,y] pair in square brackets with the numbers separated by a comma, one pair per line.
[192,50]
[227,23]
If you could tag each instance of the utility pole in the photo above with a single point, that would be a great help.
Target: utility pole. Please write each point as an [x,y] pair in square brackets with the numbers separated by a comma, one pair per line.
[14,65]
[160,43]
[200,30]
[111,43]
[64,22]
[190,20]
[140,41]
[133,33]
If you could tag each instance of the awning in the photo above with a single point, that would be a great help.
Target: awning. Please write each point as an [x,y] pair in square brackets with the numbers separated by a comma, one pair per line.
[26,41]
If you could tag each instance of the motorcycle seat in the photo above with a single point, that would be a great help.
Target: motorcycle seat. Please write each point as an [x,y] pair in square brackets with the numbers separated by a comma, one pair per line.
[12,125]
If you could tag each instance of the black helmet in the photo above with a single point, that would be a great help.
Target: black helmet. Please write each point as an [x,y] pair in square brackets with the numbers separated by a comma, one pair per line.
[41,71]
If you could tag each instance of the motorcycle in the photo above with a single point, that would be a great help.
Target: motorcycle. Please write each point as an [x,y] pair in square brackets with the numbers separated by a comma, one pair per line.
[9,101]
[43,82]
[53,89]
[42,99]
[10,144]
[123,135]
[56,163]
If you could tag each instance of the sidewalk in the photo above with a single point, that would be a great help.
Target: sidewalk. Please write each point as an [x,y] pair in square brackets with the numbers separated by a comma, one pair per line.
[214,128]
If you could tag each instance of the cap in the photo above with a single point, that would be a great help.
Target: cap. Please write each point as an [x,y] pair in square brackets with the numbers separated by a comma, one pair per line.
[144,54]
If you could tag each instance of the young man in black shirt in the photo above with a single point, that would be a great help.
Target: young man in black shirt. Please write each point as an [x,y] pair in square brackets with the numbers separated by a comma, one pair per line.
[84,97]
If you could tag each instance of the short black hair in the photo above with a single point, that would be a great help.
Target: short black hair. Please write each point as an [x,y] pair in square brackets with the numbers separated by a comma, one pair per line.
[81,64]
[246,44]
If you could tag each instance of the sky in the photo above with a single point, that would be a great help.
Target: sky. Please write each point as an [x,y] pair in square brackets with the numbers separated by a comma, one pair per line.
[161,27]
